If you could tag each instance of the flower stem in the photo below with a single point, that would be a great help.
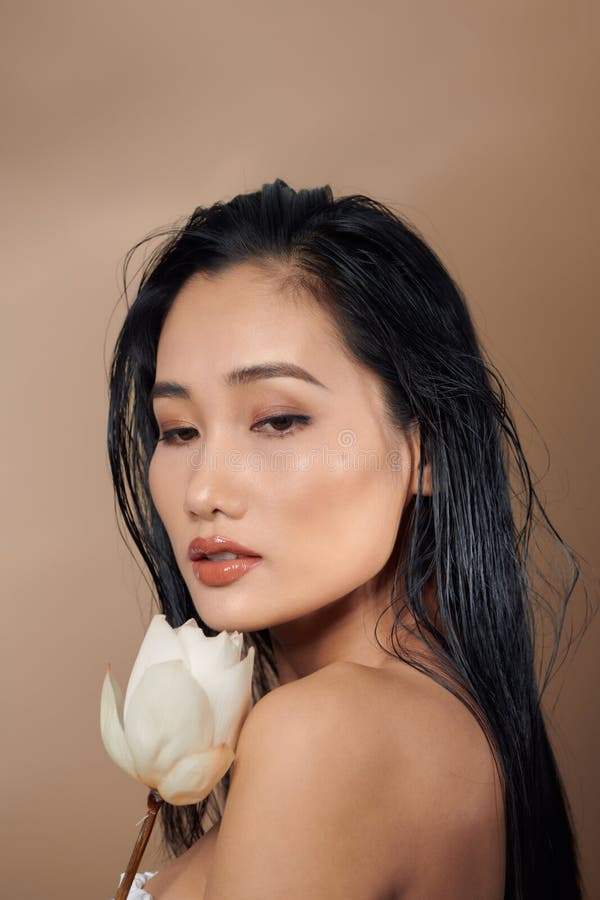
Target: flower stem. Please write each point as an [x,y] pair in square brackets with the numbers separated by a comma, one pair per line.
[155,802]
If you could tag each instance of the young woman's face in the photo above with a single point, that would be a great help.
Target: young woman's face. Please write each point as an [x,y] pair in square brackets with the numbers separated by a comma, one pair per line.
[319,498]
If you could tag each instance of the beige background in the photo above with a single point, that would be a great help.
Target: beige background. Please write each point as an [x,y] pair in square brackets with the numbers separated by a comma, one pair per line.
[478,120]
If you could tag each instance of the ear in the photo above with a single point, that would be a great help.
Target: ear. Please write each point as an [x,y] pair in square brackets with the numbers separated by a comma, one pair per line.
[414,445]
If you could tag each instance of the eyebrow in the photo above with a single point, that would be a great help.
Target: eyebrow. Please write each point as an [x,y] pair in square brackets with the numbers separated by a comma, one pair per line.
[243,375]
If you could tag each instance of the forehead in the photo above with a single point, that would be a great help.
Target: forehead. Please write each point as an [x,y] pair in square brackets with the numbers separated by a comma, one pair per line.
[239,316]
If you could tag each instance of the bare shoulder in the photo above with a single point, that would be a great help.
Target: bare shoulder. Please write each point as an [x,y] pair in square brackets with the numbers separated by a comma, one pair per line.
[308,794]
[357,782]
[396,711]
[395,751]
[318,709]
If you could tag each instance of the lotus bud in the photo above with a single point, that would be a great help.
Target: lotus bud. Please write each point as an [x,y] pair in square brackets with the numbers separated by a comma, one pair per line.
[187,697]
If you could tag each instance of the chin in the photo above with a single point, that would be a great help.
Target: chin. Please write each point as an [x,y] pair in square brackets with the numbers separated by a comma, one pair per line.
[221,618]
[230,619]
[232,609]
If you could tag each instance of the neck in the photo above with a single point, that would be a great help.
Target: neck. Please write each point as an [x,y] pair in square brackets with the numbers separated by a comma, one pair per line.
[344,630]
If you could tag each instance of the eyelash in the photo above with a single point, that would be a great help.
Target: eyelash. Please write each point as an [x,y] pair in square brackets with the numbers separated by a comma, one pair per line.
[170,437]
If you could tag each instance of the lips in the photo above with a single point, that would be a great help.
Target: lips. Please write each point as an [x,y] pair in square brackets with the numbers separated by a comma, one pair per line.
[219,573]
[200,548]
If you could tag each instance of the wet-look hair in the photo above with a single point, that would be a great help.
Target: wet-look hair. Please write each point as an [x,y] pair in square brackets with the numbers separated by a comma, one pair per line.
[400,313]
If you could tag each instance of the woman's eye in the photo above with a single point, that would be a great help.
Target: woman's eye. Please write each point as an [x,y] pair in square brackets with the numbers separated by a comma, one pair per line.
[175,435]
[282,425]
[283,420]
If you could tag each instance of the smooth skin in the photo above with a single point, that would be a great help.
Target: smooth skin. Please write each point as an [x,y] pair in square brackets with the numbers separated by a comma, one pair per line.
[359,777]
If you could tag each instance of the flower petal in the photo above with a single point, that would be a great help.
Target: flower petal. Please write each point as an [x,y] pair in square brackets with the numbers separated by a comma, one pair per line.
[189,623]
[111,724]
[169,717]
[160,643]
[237,641]
[194,776]
[191,639]
[208,656]
[230,695]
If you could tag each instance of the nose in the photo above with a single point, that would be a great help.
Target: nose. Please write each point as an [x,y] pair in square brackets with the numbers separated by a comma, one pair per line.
[212,486]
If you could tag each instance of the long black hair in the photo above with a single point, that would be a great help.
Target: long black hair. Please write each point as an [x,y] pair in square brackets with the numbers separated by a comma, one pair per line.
[401,314]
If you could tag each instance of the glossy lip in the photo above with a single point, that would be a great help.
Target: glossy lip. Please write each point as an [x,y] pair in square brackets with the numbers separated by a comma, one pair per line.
[201,547]
[222,572]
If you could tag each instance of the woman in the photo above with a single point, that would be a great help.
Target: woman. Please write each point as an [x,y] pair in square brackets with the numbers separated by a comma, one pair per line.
[300,375]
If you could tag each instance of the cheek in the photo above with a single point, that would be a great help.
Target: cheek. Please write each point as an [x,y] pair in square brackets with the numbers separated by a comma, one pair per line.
[345,525]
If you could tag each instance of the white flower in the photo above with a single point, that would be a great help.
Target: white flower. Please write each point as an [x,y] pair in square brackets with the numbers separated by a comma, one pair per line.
[186,701]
